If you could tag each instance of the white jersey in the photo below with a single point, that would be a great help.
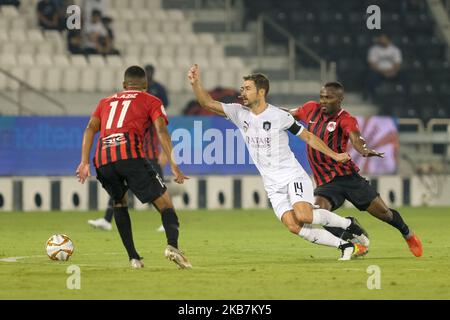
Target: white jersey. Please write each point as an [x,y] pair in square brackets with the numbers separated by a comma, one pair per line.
[267,141]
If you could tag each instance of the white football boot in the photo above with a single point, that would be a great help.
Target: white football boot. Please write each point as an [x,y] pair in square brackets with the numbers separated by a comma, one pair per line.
[101,224]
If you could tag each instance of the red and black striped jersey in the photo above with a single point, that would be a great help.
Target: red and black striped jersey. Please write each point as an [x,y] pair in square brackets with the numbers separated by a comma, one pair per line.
[334,131]
[124,118]
[151,143]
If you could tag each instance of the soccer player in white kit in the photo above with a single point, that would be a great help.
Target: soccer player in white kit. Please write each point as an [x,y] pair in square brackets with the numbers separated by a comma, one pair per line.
[288,186]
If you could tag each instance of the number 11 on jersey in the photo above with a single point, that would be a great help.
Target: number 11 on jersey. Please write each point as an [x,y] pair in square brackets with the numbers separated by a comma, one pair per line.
[112,112]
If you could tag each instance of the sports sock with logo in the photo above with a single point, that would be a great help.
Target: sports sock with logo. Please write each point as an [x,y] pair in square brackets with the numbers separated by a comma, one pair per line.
[320,236]
[329,219]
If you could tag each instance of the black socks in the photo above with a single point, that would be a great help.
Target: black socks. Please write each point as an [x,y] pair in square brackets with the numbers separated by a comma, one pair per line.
[398,223]
[123,223]
[109,211]
[171,224]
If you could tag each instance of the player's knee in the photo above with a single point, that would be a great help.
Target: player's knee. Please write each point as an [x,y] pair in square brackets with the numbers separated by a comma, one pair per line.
[120,203]
[294,228]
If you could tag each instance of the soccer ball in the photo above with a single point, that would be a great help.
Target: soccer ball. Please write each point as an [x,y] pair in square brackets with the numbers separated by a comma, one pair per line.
[59,247]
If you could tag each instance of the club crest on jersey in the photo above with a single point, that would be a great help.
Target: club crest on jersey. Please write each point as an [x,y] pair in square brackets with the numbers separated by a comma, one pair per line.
[331,126]
[267,125]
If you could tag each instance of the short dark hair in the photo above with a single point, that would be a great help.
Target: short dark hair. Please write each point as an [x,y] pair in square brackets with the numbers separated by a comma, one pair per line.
[150,68]
[261,81]
[335,85]
[134,72]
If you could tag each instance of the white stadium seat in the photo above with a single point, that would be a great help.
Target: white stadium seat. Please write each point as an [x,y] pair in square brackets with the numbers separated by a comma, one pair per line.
[167,62]
[175,15]
[96,61]
[152,26]
[176,79]
[159,15]
[78,60]
[210,78]
[175,38]
[227,79]
[169,26]
[88,80]
[114,61]
[138,5]
[18,36]
[35,77]
[45,47]
[200,52]
[206,39]
[53,79]
[166,51]
[9,11]
[150,51]
[4,25]
[27,48]
[2,81]
[9,47]
[141,38]
[19,73]
[61,60]
[184,27]
[132,60]
[71,80]
[35,36]
[43,60]
[3,36]
[106,81]
[8,60]
[136,26]
[18,24]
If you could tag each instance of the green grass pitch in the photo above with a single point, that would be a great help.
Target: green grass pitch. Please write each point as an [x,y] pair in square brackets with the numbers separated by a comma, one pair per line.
[236,254]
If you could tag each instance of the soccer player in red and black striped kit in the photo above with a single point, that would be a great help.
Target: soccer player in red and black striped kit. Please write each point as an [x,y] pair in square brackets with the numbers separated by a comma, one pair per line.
[156,159]
[337,182]
[121,163]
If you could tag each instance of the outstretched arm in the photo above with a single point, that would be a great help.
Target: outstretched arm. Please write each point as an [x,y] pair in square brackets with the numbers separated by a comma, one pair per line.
[201,94]
[166,144]
[359,143]
[83,170]
[318,144]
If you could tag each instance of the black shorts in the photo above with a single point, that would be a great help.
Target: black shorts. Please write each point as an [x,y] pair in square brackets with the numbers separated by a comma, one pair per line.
[136,174]
[353,188]
[156,167]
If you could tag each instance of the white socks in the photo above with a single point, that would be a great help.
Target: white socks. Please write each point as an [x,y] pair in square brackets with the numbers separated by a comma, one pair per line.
[329,219]
[320,236]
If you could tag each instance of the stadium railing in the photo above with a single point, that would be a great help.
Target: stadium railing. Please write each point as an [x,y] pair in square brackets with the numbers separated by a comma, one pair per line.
[18,102]
[327,72]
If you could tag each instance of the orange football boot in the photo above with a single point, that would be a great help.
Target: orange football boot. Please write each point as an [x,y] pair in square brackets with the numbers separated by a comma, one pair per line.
[415,245]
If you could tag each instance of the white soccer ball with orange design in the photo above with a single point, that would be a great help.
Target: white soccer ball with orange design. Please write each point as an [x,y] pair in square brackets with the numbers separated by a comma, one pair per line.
[59,247]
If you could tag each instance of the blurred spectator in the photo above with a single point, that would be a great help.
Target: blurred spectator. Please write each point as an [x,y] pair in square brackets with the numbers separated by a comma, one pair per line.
[107,24]
[384,59]
[61,8]
[96,35]
[155,88]
[219,94]
[75,42]
[90,5]
[15,3]
[48,15]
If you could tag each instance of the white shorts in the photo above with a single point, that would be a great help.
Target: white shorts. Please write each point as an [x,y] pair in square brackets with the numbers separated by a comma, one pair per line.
[283,197]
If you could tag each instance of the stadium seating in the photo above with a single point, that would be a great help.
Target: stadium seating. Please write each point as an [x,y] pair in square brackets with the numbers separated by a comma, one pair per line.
[144,33]
[412,31]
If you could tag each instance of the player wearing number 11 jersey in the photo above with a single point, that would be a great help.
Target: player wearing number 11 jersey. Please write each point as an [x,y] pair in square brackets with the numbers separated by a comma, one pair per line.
[121,164]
